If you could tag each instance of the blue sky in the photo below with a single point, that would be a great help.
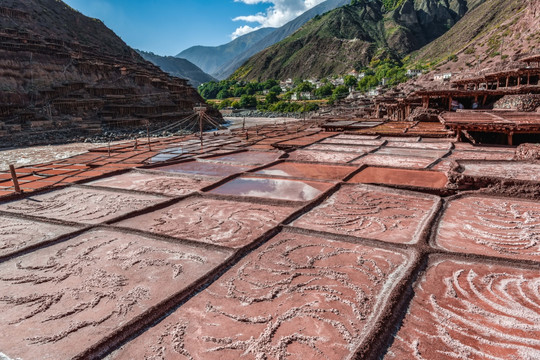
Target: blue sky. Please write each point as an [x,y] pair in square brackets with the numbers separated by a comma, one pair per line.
[166,27]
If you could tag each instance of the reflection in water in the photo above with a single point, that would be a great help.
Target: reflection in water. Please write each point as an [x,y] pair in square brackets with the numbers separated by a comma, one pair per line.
[308,171]
[248,158]
[273,188]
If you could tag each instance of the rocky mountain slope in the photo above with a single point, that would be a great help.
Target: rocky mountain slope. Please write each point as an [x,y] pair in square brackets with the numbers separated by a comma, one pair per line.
[211,58]
[494,33]
[178,67]
[352,35]
[276,36]
[60,70]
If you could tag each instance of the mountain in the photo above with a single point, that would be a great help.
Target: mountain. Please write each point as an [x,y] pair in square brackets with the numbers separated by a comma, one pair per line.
[276,36]
[210,58]
[178,67]
[495,31]
[350,36]
[61,70]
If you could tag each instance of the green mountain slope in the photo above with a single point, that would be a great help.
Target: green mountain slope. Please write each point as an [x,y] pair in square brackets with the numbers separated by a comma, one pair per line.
[352,35]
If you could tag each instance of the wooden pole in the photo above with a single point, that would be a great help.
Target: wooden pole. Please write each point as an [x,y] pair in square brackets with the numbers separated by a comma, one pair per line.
[148,135]
[201,127]
[14,178]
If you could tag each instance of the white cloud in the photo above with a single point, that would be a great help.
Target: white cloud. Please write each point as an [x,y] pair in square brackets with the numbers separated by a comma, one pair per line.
[242,30]
[277,14]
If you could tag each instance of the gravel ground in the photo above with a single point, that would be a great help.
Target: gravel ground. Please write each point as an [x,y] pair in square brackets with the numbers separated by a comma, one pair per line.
[40,154]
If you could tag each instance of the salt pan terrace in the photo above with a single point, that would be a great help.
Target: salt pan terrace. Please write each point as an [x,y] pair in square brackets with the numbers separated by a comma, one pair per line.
[278,242]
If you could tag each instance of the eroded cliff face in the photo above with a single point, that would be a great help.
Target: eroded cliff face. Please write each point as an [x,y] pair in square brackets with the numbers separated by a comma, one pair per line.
[62,70]
[418,22]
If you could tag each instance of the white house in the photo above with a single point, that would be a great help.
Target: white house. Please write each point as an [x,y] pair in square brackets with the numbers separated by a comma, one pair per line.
[302,96]
[414,72]
[442,77]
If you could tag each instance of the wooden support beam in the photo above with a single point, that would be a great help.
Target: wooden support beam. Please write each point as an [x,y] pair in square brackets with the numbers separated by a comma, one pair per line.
[507,81]
[14,178]
[425,102]
[449,103]
[510,138]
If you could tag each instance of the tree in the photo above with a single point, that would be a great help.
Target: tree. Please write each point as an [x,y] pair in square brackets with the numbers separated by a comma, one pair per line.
[325,90]
[224,94]
[251,88]
[276,89]
[340,92]
[271,98]
[350,81]
[209,90]
[248,101]
[225,104]
[238,91]
[304,87]
[368,82]
[269,84]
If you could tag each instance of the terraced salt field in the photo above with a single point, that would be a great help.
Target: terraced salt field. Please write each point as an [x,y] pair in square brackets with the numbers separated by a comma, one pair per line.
[296,244]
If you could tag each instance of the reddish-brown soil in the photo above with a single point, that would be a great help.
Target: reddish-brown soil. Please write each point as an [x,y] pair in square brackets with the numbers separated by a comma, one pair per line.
[405,177]
[502,227]
[373,212]
[469,310]
[297,297]
[156,183]
[19,234]
[323,156]
[82,205]
[219,222]
[273,188]
[308,171]
[59,301]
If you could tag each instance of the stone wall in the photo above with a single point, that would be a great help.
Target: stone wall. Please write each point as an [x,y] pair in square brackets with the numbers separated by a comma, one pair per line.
[518,102]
